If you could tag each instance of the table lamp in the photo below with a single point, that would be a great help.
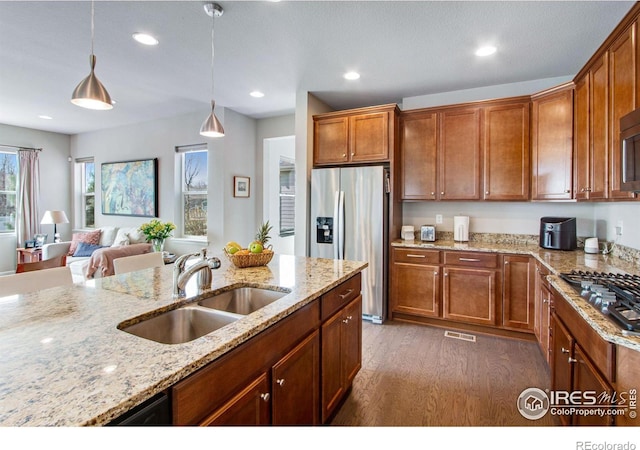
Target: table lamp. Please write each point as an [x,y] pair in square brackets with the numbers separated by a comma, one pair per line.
[54,217]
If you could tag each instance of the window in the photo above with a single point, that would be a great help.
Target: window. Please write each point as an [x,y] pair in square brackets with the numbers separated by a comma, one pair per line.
[287,196]
[86,170]
[195,181]
[8,190]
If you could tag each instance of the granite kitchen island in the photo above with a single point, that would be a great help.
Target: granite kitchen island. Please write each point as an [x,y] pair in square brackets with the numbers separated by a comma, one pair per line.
[64,362]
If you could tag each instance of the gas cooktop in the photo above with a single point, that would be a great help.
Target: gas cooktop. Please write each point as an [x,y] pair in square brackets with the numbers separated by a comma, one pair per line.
[616,295]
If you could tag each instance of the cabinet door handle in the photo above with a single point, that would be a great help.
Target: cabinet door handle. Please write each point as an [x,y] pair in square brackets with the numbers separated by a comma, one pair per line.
[564,350]
[346,294]
[486,193]
[411,255]
[435,274]
[441,193]
[506,262]
[567,191]
[571,360]
[344,155]
[433,193]
[280,382]
[469,259]
[545,301]
[353,153]
[265,397]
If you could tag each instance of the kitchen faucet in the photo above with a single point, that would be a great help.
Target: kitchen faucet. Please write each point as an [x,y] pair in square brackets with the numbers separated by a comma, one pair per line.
[203,268]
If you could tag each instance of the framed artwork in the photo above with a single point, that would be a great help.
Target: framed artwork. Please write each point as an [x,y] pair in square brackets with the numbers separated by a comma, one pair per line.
[241,186]
[130,188]
[39,240]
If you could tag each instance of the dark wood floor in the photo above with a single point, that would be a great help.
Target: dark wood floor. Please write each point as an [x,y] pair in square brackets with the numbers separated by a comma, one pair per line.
[414,376]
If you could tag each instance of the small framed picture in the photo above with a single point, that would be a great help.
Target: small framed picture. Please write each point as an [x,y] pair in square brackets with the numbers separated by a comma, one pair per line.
[40,239]
[241,186]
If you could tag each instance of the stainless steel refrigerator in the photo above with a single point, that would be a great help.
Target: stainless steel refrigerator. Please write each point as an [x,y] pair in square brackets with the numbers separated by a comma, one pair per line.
[349,220]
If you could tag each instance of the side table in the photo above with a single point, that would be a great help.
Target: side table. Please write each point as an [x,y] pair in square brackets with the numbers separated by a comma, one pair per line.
[27,255]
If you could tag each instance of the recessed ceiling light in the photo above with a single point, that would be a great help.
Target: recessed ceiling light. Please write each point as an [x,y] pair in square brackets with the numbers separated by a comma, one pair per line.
[256,94]
[351,76]
[486,50]
[145,39]
[45,117]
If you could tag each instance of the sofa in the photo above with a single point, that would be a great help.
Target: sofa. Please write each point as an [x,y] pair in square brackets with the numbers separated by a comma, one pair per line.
[90,253]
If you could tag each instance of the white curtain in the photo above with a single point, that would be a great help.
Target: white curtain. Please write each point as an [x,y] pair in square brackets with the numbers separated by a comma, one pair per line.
[28,195]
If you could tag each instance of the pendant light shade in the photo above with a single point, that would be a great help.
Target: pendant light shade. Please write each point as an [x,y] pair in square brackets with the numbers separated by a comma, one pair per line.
[211,127]
[90,93]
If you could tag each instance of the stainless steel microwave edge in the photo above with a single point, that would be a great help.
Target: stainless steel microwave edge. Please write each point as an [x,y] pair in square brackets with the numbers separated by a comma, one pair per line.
[630,151]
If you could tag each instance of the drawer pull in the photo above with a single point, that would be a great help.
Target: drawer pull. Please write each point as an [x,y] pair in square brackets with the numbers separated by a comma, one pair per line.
[266,396]
[411,255]
[346,294]
[564,350]
[280,382]
[572,360]
[469,259]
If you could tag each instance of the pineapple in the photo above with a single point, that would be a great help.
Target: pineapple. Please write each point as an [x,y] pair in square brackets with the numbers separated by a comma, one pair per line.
[262,236]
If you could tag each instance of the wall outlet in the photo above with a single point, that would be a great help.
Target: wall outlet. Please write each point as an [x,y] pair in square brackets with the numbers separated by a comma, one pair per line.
[619,228]
[438,218]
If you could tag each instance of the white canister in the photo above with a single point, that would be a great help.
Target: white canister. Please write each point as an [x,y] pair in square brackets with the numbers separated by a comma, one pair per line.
[407,233]
[461,228]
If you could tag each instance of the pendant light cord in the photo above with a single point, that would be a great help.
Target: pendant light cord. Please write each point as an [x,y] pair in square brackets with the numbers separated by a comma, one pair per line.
[213,18]
[92,27]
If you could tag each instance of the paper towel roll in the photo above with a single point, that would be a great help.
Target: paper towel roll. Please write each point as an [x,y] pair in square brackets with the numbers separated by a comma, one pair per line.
[461,228]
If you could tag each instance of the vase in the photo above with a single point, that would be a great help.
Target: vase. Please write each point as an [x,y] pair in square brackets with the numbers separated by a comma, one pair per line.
[157,244]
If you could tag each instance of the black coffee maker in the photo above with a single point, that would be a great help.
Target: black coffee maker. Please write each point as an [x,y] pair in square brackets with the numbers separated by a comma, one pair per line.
[558,233]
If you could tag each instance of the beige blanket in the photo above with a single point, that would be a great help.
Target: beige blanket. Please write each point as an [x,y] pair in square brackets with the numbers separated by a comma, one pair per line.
[102,259]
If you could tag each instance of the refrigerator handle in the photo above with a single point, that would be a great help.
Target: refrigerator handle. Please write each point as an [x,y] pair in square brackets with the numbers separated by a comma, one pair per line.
[341,226]
[336,224]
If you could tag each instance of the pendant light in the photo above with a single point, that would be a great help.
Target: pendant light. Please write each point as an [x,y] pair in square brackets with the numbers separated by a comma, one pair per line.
[90,93]
[212,127]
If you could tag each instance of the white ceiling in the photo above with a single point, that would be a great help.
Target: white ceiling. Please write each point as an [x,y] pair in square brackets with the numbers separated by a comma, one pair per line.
[402,49]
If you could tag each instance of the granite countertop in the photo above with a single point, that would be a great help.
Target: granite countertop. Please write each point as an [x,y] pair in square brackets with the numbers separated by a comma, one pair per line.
[64,362]
[557,261]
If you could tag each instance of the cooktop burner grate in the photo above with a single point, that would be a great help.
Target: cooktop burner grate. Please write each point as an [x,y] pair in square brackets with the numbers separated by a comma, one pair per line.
[615,294]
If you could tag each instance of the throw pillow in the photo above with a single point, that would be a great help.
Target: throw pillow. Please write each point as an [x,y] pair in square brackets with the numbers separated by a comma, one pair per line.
[85,249]
[122,240]
[91,237]
[108,235]
[129,234]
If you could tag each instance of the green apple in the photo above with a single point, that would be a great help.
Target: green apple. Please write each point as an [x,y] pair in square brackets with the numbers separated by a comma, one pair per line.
[255,247]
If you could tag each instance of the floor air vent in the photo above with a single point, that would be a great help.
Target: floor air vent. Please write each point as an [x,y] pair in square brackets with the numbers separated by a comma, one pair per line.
[461,336]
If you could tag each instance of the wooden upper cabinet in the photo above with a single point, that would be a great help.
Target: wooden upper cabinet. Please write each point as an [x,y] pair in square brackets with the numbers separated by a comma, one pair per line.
[552,144]
[419,149]
[353,137]
[622,100]
[460,159]
[591,133]
[506,152]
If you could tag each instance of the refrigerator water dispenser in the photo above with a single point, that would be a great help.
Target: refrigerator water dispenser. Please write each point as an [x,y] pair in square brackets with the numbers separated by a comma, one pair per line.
[324,230]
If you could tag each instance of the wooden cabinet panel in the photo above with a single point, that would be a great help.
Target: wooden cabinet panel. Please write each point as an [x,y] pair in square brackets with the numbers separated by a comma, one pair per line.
[586,378]
[543,303]
[251,406]
[552,145]
[582,150]
[622,94]
[471,259]
[518,292]
[341,355]
[469,295]
[415,289]
[419,148]
[459,165]
[331,140]
[561,368]
[506,152]
[598,187]
[416,256]
[296,385]
[369,137]
[340,296]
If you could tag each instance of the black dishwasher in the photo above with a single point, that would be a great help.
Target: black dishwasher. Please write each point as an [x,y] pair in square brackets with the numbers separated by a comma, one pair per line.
[154,412]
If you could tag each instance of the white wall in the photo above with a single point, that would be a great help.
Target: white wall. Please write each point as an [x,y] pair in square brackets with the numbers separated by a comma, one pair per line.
[306,106]
[482,93]
[234,154]
[607,217]
[55,184]
[499,217]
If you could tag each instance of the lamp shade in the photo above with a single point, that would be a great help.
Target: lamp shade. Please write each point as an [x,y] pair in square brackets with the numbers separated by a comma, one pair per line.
[54,217]
[212,127]
[90,93]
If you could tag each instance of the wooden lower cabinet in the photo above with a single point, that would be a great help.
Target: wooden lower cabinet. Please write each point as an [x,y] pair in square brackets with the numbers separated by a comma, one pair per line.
[518,291]
[295,385]
[543,305]
[470,295]
[341,355]
[561,369]
[251,406]
[415,282]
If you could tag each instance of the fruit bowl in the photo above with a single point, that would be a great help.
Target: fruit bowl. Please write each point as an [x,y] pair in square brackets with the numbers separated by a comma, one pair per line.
[251,259]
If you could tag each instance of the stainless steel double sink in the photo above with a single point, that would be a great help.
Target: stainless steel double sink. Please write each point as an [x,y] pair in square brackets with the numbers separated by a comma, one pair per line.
[197,319]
